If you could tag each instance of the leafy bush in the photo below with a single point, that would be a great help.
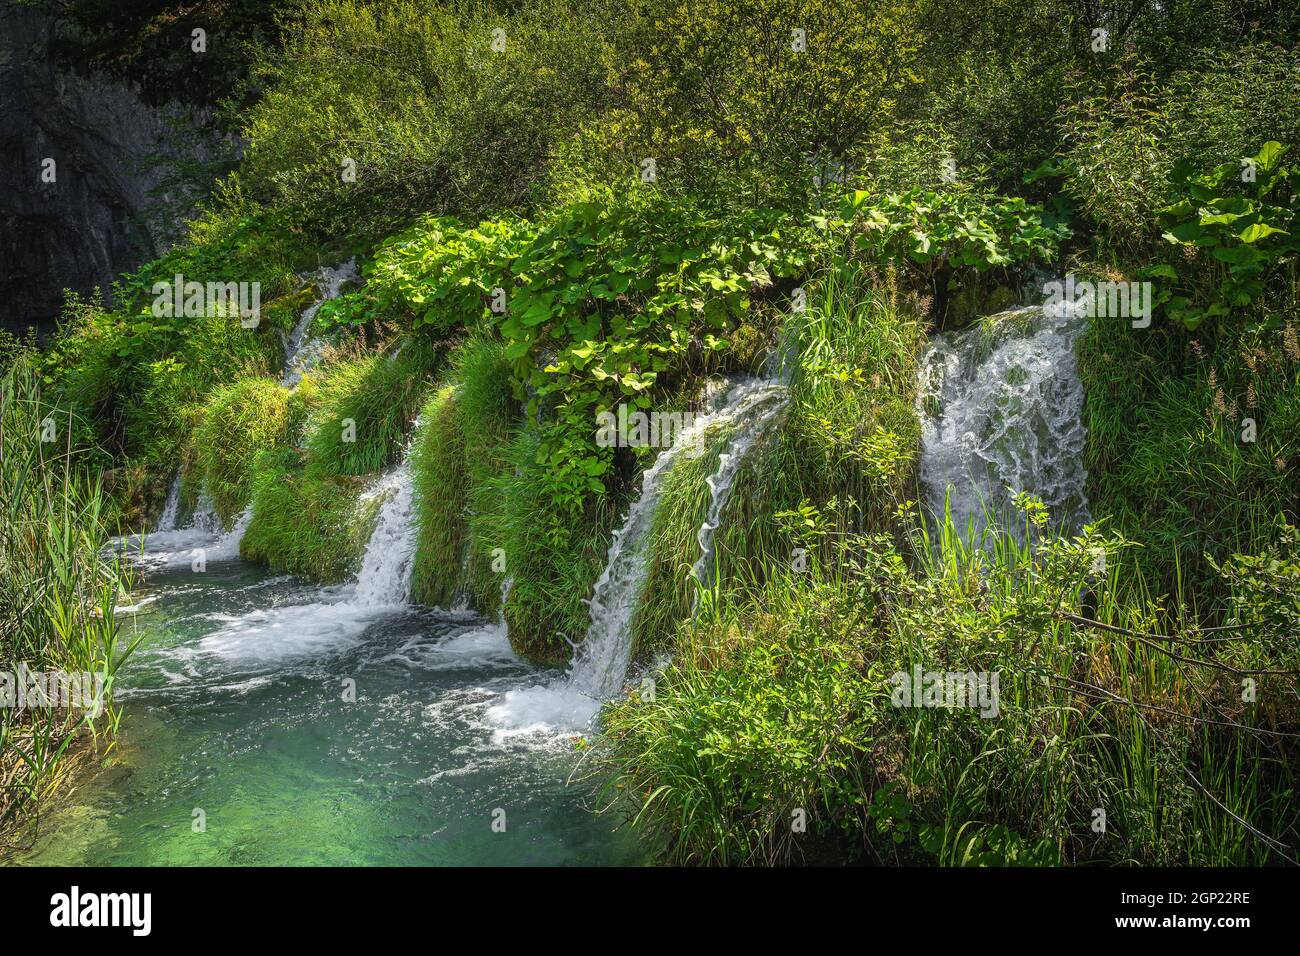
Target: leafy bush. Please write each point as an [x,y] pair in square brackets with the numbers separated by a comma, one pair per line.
[430,115]
[951,234]
[1237,227]
[761,103]
[596,305]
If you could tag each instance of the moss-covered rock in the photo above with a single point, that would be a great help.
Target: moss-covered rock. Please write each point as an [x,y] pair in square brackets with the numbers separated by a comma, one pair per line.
[244,418]
[306,524]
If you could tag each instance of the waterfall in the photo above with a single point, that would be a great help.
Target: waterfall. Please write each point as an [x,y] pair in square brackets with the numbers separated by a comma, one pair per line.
[227,546]
[205,515]
[1001,408]
[301,351]
[385,577]
[770,404]
[167,520]
[601,661]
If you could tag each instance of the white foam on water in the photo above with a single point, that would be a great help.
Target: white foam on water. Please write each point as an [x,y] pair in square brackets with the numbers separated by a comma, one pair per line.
[341,614]
[267,635]
[547,710]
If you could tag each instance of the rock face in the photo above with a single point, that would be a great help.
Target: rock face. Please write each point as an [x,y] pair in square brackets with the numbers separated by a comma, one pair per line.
[115,201]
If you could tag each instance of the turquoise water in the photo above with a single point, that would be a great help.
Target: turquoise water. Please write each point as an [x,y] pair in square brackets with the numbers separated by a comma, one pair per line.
[238,715]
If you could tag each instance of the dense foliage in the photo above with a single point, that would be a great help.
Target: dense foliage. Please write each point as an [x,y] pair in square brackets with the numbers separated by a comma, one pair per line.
[560,207]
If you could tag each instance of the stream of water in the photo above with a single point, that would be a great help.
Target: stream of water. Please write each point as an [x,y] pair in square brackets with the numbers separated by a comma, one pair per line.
[270,721]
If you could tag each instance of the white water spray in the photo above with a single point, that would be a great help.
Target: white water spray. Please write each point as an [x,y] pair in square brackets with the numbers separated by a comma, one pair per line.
[385,576]
[602,659]
[1001,412]
[767,406]
[167,520]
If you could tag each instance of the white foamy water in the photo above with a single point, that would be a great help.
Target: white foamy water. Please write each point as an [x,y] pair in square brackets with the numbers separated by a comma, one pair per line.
[302,352]
[766,407]
[570,703]
[167,520]
[341,614]
[601,660]
[385,577]
[1001,412]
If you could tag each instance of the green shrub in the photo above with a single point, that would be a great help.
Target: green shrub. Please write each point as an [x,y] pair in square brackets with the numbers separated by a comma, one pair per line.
[783,705]
[303,523]
[364,410]
[729,102]
[430,114]
[1233,238]
[243,419]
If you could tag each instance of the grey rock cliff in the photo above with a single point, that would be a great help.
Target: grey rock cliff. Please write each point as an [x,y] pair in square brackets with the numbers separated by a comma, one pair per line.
[116,201]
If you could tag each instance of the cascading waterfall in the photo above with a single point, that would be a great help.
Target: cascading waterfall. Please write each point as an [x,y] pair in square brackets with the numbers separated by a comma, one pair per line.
[768,406]
[385,576]
[601,661]
[205,515]
[227,545]
[301,351]
[299,355]
[167,520]
[1000,407]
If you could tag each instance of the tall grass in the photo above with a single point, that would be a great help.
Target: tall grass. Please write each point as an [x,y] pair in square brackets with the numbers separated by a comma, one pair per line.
[365,407]
[779,702]
[242,419]
[57,596]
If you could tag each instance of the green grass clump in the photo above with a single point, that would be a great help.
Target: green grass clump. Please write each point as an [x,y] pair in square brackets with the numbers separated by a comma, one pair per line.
[365,409]
[849,433]
[552,572]
[243,419]
[438,470]
[1166,458]
[303,523]
[58,595]
[780,706]
[458,456]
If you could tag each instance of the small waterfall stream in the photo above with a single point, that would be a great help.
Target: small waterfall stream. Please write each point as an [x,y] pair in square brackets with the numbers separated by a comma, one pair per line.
[167,520]
[301,351]
[768,407]
[385,576]
[601,661]
[1001,408]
